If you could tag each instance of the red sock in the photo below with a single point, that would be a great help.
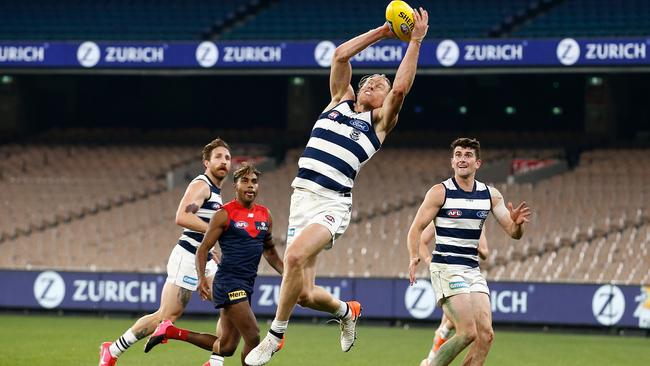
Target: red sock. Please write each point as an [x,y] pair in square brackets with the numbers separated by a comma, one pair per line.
[176,333]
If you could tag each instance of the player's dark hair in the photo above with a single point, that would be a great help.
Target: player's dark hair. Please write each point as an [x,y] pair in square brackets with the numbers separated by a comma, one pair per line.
[207,149]
[467,143]
[245,169]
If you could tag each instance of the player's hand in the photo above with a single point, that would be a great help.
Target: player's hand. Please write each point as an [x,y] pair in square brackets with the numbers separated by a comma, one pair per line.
[520,214]
[386,32]
[204,288]
[421,18]
[413,263]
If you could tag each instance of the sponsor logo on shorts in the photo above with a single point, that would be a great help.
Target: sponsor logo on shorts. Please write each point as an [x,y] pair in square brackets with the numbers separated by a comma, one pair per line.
[261,226]
[241,224]
[333,115]
[454,213]
[236,295]
[291,232]
[359,125]
[458,284]
[482,214]
[190,280]
[330,218]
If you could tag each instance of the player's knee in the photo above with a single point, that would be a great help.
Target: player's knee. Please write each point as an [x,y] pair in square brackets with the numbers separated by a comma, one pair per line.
[293,259]
[487,336]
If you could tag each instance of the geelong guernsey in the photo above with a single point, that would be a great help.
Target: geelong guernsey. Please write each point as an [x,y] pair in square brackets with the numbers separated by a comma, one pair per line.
[190,239]
[459,223]
[341,142]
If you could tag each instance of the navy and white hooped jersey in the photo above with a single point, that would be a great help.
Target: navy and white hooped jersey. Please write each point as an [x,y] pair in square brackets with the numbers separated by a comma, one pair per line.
[459,223]
[191,239]
[341,142]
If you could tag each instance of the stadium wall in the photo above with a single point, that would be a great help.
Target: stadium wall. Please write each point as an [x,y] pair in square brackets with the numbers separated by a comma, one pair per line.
[603,305]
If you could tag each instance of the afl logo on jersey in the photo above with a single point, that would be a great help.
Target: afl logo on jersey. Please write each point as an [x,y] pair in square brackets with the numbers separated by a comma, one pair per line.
[359,125]
[454,213]
[482,214]
[241,224]
[334,115]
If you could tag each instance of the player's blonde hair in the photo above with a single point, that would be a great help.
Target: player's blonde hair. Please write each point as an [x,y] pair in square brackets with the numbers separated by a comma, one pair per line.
[207,149]
[245,169]
[365,79]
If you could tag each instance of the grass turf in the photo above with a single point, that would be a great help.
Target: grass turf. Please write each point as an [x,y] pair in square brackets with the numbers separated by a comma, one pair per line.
[53,340]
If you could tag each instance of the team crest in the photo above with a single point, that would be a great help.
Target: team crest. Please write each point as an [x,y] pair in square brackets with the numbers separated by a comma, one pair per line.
[334,115]
[355,135]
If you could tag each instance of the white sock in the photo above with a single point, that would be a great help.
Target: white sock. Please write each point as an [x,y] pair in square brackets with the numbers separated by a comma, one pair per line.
[123,343]
[443,331]
[343,311]
[430,357]
[279,327]
[216,360]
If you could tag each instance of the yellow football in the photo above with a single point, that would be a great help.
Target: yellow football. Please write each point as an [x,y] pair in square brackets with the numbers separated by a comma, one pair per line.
[399,16]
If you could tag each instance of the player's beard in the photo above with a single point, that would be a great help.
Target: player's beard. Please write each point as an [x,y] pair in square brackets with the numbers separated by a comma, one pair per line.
[219,172]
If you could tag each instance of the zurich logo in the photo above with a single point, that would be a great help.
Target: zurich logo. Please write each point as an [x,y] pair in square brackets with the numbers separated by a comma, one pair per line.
[241,224]
[323,53]
[359,125]
[88,54]
[482,214]
[454,213]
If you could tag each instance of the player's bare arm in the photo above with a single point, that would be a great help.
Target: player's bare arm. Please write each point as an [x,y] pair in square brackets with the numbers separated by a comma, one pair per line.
[483,251]
[511,219]
[387,114]
[429,208]
[341,70]
[270,253]
[427,237]
[197,192]
[217,225]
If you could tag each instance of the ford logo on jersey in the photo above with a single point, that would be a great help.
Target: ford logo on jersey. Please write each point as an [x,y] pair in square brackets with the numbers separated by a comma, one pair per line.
[359,125]
[454,213]
[482,214]
[241,224]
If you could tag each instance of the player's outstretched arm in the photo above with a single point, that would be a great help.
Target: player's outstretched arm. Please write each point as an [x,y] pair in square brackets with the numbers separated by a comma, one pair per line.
[195,194]
[270,253]
[428,210]
[215,228]
[405,74]
[483,251]
[511,219]
[341,70]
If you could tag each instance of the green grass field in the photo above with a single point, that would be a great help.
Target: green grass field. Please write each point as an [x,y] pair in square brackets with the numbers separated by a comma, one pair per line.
[51,340]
